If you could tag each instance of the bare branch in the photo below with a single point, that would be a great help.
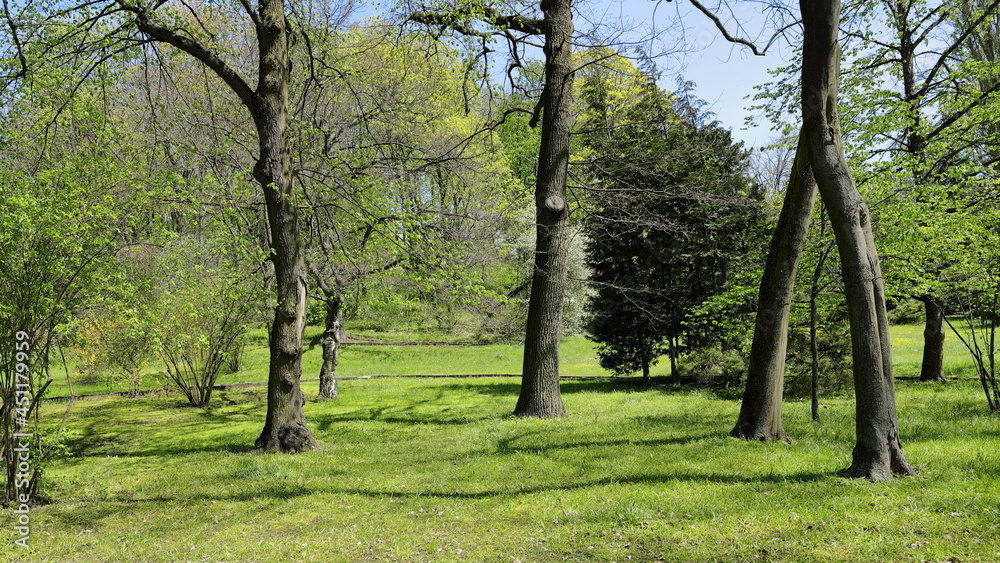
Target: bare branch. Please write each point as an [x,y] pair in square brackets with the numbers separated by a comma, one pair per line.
[17,41]
[725,33]
[454,21]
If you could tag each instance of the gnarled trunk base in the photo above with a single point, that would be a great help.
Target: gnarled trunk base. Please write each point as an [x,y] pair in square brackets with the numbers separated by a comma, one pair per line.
[880,464]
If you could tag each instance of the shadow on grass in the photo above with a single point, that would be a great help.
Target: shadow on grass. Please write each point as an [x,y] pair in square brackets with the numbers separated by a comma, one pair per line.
[508,445]
[570,386]
[644,479]
[409,414]
[270,496]
[90,513]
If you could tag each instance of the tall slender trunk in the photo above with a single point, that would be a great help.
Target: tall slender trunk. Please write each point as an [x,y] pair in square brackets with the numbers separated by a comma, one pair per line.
[760,411]
[284,426]
[646,360]
[932,363]
[814,352]
[540,394]
[878,453]
[814,292]
[332,336]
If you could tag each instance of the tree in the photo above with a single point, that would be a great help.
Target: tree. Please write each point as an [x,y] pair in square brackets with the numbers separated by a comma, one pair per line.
[407,191]
[539,395]
[878,453]
[670,214]
[95,33]
[923,145]
[909,118]
[58,240]
[760,410]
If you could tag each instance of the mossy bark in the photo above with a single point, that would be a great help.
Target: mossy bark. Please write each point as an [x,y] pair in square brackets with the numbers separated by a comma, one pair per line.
[332,335]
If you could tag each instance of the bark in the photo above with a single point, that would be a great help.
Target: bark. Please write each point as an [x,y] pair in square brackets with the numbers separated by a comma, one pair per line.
[646,360]
[878,453]
[760,411]
[932,364]
[814,352]
[332,336]
[540,377]
[675,374]
[284,426]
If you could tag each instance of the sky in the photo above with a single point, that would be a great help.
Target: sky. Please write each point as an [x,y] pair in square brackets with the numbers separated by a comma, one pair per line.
[724,73]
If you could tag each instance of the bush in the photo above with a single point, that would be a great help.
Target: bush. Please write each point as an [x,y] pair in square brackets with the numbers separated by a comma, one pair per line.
[714,366]
[202,326]
[116,346]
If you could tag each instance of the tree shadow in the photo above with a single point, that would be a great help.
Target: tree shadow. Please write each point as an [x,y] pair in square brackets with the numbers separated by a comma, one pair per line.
[403,415]
[570,386]
[508,444]
[640,479]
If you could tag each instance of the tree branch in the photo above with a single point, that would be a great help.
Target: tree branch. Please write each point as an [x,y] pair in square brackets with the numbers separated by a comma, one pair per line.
[725,33]
[454,21]
[196,50]
[17,41]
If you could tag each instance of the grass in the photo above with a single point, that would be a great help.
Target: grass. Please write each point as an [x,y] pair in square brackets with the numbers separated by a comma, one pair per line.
[436,470]
[577,355]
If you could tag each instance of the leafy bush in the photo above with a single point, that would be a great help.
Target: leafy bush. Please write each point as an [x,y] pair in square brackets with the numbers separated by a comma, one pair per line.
[116,346]
[203,318]
[714,366]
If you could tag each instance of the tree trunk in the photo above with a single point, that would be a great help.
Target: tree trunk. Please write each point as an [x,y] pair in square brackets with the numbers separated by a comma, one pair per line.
[878,453]
[932,364]
[814,350]
[331,345]
[673,351]
[646,360]
[540,377]
[284,426]
[760,412]
[814,292]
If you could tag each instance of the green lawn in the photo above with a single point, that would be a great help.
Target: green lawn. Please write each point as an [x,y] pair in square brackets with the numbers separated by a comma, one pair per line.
[436,470]
[577,356]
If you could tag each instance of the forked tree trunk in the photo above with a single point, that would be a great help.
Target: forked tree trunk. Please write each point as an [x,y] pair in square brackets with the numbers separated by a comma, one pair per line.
[540,394]
[878,453]
[932,364]
[284,426]
[760,412]
[332,336]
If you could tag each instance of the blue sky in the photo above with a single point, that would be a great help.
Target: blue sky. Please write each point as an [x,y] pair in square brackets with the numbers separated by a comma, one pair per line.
[725,73]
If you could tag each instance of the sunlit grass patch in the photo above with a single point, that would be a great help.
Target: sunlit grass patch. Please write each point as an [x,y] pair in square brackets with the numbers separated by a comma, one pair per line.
[438,470]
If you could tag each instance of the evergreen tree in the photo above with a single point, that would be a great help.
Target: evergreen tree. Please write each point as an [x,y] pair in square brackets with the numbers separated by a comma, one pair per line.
[672,216]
